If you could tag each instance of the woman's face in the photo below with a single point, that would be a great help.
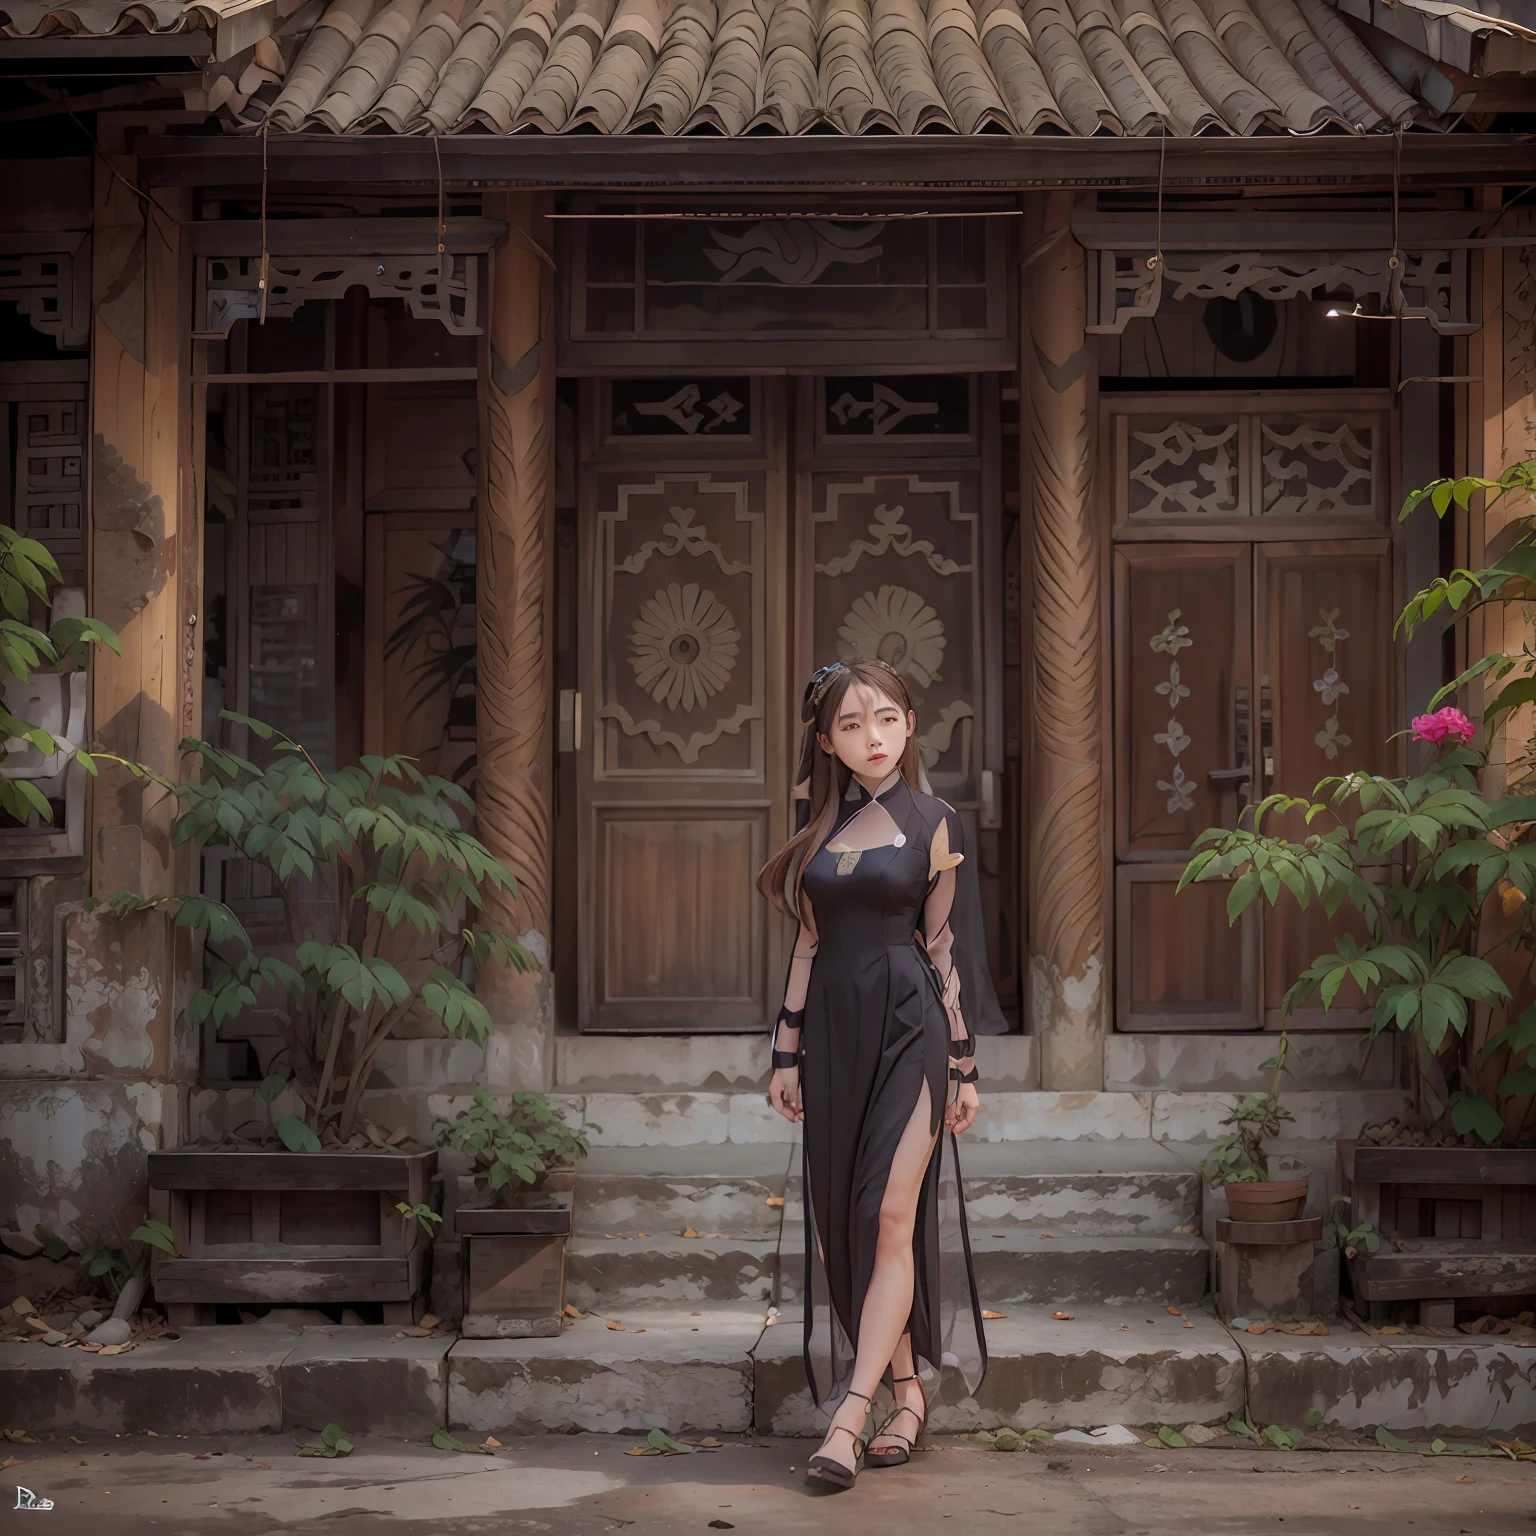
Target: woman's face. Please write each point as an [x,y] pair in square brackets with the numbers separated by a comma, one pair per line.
[870,733]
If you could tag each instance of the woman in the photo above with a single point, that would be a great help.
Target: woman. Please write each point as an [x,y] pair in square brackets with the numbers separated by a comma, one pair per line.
[873,1053]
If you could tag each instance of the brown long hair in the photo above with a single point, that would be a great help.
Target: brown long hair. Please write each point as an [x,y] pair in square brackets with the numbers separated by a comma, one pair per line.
[782,877]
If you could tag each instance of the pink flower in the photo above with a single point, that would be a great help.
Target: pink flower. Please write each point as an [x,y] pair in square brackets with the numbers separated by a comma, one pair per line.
[1442,726]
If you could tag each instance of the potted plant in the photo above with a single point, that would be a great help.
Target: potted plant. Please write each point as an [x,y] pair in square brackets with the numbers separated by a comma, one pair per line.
[1440,866]
[1239,1163]
[514,1212]
[382,852]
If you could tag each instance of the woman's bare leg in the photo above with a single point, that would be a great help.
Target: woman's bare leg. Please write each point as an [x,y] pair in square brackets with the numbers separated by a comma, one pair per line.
[907,1394]
[888,1301]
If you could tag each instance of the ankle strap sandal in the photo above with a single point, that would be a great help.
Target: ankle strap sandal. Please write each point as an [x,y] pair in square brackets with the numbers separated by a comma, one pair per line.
[832,1476]
[900,1455]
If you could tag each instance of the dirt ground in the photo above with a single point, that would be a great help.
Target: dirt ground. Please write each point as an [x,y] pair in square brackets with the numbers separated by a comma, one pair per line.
[579,1484]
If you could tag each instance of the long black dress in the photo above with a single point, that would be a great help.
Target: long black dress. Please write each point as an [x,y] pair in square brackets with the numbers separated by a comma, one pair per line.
[877,970]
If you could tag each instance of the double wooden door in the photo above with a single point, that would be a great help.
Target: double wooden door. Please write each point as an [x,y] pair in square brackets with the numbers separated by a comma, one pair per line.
[1242,669]
[734,533]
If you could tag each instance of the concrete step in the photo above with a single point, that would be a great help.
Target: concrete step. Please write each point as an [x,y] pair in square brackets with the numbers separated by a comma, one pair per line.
[744,1118]
[1020,1265]
[726,1063]
[1200,1063]
[606,1273]
[715,1367]
[673,1367]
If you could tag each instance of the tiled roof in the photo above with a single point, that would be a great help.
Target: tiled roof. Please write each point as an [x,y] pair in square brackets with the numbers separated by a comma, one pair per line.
[791,67]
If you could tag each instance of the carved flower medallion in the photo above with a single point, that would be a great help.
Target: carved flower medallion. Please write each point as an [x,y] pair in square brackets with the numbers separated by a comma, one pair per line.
[896,626]
[683,646]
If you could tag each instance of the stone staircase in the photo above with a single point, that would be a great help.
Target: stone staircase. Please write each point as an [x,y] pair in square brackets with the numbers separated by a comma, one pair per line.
[1089,1203]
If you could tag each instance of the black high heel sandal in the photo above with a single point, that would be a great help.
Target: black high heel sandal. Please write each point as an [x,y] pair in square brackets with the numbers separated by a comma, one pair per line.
[899,1456]
[832,1476]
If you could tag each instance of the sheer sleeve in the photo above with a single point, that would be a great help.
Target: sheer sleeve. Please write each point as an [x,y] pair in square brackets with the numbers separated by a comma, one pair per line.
[786,1033]
[946,852]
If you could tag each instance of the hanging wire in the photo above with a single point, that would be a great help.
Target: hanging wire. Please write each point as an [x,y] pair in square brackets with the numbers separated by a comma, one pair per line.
[442,228]
[266,256]
[1155,260]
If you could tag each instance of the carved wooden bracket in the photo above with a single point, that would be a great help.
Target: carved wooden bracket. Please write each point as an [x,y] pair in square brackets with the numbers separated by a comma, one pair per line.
[442,287]
[1427,285]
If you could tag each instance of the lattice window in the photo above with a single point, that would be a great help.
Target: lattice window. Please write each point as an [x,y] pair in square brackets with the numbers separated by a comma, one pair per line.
[1274,465]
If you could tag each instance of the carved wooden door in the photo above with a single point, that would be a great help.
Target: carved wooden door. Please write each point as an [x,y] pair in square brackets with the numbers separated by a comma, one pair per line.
[897,557]
[682,685]
[1241,669]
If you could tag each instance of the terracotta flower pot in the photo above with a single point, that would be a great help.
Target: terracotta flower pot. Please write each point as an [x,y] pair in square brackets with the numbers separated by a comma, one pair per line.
[1283,1201]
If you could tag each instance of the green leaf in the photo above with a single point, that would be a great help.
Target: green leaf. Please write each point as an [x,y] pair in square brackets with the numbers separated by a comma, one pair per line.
[660,1440]
[446,1442]
[157,1235]
[1171,1437]
[334,1438]
[1390,1442]
[1473,1113]
[1522,1080]
[272,1085]
[297,1136]
[1314,1420]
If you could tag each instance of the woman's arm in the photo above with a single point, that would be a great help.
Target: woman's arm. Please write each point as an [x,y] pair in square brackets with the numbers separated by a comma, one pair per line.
[945,853]
[784,1086]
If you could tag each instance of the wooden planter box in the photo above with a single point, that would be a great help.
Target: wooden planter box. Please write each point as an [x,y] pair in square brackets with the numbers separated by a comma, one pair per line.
[287,1228]
[513,1260]
[1456,1224]
[1266,1269]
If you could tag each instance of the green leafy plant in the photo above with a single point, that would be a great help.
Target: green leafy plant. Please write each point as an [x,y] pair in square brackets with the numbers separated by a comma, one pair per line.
[424,1214]
[1439,871]
[443,1441]
[1239,1157]
[387,851]
[518,1146]
[101,1261]
[26,571]
[1349,1240]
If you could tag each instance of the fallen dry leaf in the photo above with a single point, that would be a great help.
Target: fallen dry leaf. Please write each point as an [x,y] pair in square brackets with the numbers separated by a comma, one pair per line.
[115,1349]
[570,1311]
[775,1200]
[493,1442]
[709,1442]
[993,1316]
[689,1232]
[1062,1317]
[11,1461]
[639,1234]
[615,1327]
[1260,1327]
[1390,1328]
[21,1307]
[610,1234]
[204,1456]
[21,1437]
[1047,1237]
[1189,1325]
[431,1320]
[1463,1478]
[76,1440]
[1174,1312]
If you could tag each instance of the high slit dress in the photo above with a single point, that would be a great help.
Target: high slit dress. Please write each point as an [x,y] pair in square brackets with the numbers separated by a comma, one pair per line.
[874,985]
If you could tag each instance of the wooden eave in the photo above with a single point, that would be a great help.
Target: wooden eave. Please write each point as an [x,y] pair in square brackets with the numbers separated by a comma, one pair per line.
[844,164]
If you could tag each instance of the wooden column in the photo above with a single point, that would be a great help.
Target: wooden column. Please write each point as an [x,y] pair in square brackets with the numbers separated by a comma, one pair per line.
[145,580]
[515,608]
[1068,984]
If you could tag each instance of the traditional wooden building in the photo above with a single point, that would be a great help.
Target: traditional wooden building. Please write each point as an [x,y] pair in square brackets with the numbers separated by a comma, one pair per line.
[1071,355]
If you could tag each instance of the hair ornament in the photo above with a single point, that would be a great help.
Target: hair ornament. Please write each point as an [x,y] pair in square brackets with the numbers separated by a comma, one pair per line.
[816,689]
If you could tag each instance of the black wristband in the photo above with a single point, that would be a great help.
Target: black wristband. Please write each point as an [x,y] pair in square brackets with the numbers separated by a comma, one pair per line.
[788,1020]
[785,1059]
[957,1076]
[960,1049]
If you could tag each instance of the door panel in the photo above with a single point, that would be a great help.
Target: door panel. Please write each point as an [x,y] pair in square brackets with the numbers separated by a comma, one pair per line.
[1326,666]
[897,577]
[1197,744]
[684,640]
[1182,672]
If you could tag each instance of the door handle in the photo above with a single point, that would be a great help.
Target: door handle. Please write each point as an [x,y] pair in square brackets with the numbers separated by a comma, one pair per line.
[991,818]
[570,720]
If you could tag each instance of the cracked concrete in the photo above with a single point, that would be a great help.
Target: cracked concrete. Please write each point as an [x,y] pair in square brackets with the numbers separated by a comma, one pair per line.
[580,1485]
